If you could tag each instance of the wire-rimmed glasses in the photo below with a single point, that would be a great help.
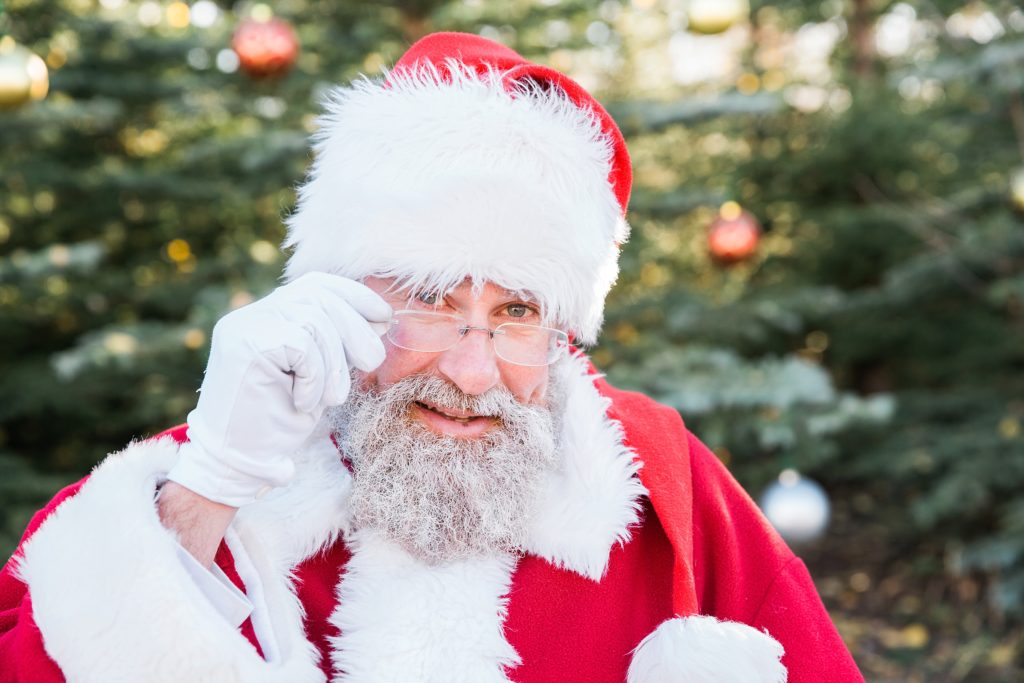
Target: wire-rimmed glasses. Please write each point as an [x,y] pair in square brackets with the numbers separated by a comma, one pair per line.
[517,343]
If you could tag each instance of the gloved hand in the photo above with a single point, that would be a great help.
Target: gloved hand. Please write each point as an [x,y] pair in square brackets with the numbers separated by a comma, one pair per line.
[275,366]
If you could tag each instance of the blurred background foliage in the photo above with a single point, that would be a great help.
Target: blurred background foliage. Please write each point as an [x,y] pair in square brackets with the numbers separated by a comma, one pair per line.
[871,336]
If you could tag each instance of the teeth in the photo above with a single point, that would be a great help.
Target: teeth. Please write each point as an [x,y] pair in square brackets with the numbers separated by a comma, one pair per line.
[462,420]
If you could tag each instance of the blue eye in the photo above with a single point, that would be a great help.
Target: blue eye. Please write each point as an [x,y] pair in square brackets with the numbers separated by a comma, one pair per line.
[518,310]
[428,298]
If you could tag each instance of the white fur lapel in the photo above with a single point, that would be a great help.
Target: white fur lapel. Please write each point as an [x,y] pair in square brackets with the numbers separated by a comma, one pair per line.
[402,620]
[310,513]
[590,503]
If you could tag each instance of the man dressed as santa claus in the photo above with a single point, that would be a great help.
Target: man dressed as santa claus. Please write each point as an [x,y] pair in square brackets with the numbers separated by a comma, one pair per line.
[399,468]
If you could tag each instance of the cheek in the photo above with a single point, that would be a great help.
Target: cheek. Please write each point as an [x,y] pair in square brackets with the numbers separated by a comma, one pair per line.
[398,364]
[529,385]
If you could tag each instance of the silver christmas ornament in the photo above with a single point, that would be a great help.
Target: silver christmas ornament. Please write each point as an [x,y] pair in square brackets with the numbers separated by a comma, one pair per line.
[798,508]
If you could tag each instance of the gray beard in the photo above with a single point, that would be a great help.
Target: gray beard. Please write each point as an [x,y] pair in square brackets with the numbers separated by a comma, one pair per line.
[442,498]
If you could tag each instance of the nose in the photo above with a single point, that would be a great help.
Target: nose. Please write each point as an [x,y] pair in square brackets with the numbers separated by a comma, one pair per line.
[471,364]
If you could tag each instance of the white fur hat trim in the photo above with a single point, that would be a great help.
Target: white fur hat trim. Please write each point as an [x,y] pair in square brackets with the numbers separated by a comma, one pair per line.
[435,180]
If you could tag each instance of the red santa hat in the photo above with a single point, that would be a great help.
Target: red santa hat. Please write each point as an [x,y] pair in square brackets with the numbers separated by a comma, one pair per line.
[468,161]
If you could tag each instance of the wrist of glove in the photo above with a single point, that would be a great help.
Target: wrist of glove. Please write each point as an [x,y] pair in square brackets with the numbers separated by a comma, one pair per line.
[227,475]
[275,367]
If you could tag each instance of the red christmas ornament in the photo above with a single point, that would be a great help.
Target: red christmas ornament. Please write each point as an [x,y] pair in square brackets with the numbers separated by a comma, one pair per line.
[265,49]
[734,235]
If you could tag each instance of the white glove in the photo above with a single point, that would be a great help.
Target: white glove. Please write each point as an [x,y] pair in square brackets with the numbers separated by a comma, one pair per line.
[275,366]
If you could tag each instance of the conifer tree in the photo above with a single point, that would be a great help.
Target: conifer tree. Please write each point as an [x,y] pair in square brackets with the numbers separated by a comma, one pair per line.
[874,339]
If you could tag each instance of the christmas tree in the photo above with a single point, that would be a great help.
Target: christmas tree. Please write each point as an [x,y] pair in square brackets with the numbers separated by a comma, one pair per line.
[826,272]
[874,339]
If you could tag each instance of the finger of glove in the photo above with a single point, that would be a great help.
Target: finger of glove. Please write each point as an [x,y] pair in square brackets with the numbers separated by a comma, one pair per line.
[362,343]
[308,368]
[363,346]
[329,339]
[364,300]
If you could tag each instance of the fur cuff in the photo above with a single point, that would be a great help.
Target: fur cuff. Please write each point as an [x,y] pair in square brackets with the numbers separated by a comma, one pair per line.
[114,603]
[702,649]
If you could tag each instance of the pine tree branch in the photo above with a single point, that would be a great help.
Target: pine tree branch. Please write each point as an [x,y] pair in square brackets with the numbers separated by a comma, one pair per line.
[1017,117]
[924,230]
[647,117]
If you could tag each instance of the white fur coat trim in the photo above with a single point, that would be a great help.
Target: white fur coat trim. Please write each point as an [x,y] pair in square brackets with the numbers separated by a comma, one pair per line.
[433,180]
[115,604]
[701,649]
[592,501]
[310,513]
[403,620]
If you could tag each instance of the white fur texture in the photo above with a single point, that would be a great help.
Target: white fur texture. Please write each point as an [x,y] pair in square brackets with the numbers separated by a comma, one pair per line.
[433,181]
[307,515]
[702,649]
[403,620]
[591,502]
[114,603]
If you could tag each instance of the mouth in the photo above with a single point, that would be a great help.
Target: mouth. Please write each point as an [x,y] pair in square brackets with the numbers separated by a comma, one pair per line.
[452,422]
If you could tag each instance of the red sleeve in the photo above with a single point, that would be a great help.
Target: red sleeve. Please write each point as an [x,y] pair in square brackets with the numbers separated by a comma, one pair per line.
[745,572]
[792,612]
[23,658]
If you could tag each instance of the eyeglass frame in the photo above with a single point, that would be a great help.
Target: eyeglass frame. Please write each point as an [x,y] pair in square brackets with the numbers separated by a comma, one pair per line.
[466,329]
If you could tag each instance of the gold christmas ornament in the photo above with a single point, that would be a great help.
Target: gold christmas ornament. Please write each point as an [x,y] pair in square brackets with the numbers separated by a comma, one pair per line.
[1017,188]
[23,75]
[716,16]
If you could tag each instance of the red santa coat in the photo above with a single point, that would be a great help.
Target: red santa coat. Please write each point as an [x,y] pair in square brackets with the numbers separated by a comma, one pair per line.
[697,545]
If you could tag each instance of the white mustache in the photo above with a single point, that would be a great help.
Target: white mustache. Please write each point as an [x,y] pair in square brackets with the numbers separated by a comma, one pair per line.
[499,402]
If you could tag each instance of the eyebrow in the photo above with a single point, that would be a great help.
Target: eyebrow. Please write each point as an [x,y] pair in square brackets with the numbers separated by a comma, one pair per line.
[408,292]
[523,296]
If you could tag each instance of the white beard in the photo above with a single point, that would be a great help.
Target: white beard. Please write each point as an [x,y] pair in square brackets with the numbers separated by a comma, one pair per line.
[439,497]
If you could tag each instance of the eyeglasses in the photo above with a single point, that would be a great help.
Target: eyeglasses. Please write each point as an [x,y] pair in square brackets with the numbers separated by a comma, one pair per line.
[517,343]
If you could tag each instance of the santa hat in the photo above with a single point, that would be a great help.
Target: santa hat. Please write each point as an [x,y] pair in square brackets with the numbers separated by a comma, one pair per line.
[468,161]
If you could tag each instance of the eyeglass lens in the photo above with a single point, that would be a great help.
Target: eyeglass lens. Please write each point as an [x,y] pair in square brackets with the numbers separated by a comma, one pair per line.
[514,342]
